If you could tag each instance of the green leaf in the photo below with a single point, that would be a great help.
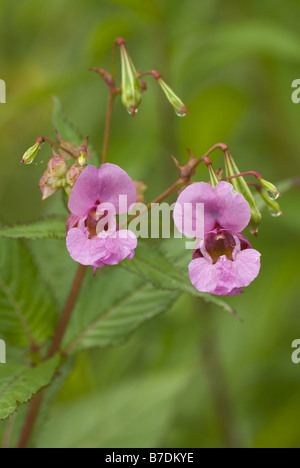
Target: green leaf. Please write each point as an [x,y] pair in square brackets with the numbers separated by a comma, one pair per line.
[19,383]
[27,307]
[47,228]
[153,265]
[68,130]
[112,306]
[134,414]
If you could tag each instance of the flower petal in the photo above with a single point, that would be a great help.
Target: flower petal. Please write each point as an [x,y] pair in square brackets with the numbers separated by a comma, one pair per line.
[104,185]
[115,182]
[201,193]
[246,267]
[119,247]
[85,192]
[226,277]
[222,206]
[72,221]
[234,211]
[84,250]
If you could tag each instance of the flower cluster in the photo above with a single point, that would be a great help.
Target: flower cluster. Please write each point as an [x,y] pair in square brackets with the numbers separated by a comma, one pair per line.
[93,237]
[223,262]
[61,174]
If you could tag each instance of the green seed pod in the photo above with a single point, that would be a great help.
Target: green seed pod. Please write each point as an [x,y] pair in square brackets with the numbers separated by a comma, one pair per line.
[173,99]
[131,88]
[241,186]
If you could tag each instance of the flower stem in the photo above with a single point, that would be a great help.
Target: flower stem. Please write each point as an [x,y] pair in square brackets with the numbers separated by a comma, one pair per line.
[257,175]
[57,145]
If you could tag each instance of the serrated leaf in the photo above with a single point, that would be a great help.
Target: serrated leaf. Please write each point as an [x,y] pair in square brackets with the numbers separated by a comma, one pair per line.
[19,384]
[47,228]
[113,305]
[68,130]
[27,307]
[152,264]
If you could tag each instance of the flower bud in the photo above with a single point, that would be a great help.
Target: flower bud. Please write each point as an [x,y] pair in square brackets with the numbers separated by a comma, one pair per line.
[240,185]
[173,99]
[272,205]
[31,153]
[131,88]
[73,174]
[46,186]
[55,176]
[272,190]
[57,167]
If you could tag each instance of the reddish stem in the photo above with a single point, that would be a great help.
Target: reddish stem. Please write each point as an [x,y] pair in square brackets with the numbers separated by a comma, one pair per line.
[257,175]
[154,73]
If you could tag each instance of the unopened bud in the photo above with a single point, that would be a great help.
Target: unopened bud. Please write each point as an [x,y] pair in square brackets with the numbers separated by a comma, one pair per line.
[131,88]
[73,174]
[272,190]
[46,186]
[67,150]
[272,205]
[31,153]
[173,99]
[240,185]
[81,159]
[57,167]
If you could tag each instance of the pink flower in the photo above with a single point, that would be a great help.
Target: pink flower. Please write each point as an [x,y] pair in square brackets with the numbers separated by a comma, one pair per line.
[92,234]
[223,261]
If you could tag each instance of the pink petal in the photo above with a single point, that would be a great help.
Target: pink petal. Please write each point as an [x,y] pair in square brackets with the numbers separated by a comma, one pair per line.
[72,221]
[222,206]
[226,277]
[104,185]
[115,182]
[246,267]
[234,211]
[120,246]
[85,193]
[101,251]
[83,250]
[201,193]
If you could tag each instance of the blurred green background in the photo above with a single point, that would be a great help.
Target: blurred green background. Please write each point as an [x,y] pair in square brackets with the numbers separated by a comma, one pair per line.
[193,377]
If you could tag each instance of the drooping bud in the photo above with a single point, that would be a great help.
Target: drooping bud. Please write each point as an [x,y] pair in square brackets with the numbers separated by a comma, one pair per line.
[174,100]
[272,205]
[55,176]
[272,190]
[73,174]
[241,186]
[131,88]
[83,156]
[31,153]
[46,186]
[141,188]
